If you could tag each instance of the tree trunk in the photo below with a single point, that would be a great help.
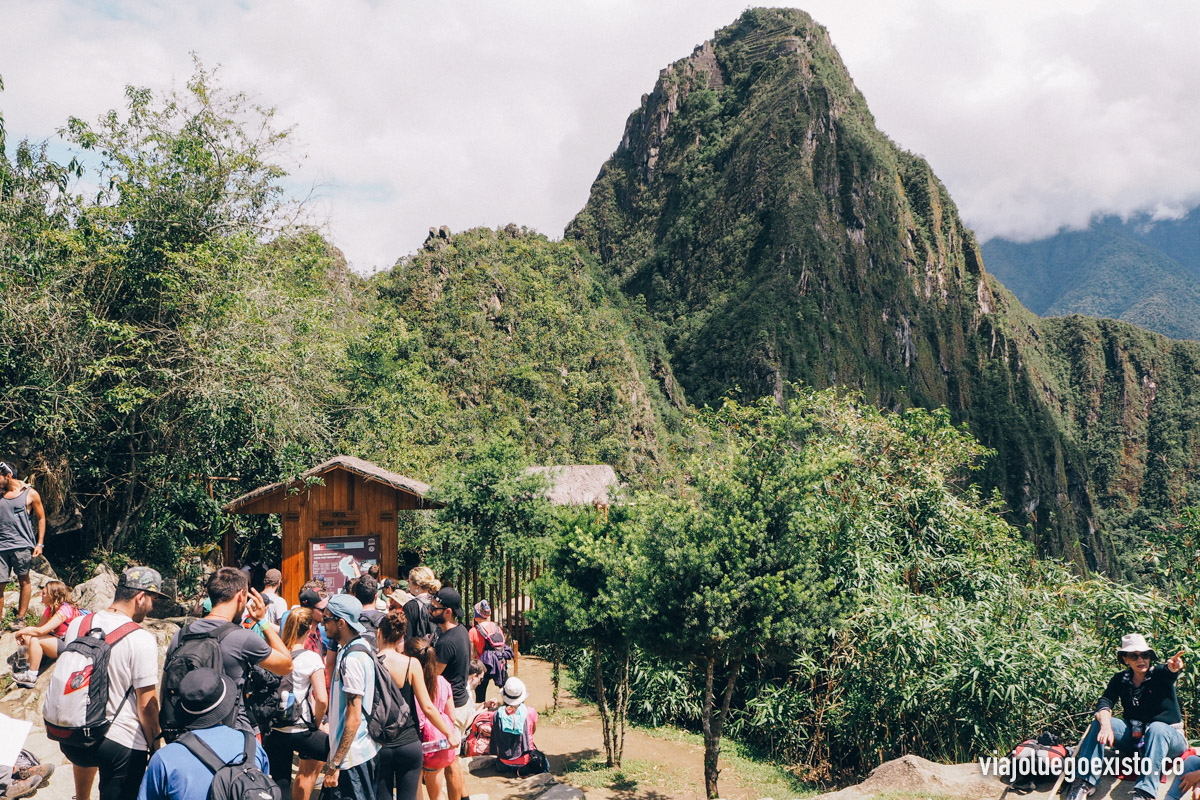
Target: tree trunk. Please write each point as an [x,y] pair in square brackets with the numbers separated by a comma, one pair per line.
[556,674]
[601,702]
[712,742]
[714,720]
[622,707]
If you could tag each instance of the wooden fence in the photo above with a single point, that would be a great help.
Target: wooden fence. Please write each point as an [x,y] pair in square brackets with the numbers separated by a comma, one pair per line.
[508,595]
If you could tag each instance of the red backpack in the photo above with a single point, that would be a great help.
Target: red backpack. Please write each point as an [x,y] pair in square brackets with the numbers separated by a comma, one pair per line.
[479,735]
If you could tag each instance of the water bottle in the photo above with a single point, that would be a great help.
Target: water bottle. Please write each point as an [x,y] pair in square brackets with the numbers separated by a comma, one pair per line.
[436,745]
[1137,728]
[22,661]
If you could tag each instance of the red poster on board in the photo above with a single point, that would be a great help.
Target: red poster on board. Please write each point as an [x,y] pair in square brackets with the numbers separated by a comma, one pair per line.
[339,560]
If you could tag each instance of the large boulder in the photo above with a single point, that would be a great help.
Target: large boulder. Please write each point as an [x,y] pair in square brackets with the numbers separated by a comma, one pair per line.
[96,593]
[915,775]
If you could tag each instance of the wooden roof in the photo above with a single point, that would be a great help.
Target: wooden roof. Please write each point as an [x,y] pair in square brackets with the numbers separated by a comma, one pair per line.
[356,466]
[579,484]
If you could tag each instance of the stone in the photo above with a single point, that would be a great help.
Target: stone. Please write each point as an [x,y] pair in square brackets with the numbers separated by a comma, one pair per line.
[562,791]
[536,782]
[96,593]
[480,763]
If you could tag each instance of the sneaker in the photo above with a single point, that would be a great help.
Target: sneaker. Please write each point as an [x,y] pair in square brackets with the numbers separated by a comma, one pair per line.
[26,679]
[1139,794]
[42,771]
[23,788]
[1080,790]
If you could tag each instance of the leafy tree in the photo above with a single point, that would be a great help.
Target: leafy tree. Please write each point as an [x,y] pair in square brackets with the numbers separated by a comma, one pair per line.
[584,597]
[733,572]
[493,509]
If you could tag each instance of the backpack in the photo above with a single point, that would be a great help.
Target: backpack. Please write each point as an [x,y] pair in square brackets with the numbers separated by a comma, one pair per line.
[496,653]
[390,713]
[479,735]
[369,619]
[419,619]
[75,716]
[272,702]
[493,636]
[234,780]
[196,650]
[1036,759]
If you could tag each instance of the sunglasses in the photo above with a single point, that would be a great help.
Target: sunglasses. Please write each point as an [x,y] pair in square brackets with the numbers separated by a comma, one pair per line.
[1140,656]
[437,608]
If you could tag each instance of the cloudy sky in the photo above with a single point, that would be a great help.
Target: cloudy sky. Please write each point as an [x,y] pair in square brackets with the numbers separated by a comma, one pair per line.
[1036,114]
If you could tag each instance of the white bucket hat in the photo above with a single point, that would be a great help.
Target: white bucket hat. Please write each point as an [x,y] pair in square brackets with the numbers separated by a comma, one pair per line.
[514,692]
[1135,643]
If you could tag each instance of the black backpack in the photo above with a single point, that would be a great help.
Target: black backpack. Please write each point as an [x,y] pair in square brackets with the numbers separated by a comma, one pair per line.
[390,713]
[196,650]
[420,621]
[370,619]
[237,779]
[265,699]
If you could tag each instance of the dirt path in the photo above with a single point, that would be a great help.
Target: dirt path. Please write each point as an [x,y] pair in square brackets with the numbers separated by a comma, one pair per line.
[658,769]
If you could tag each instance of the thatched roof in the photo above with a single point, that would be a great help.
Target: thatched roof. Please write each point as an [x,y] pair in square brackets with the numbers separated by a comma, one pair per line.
[357,466]
[579,484]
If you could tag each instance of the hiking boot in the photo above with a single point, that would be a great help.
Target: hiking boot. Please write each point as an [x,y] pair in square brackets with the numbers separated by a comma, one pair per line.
[42,771]
[26,679]
[1080,790]
[23,788]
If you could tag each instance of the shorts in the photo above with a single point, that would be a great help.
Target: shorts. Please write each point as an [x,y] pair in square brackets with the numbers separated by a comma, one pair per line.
[121,769]
[463,715]
[15,562]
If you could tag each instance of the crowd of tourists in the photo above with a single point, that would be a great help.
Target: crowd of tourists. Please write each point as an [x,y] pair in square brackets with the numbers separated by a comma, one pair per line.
[372,692]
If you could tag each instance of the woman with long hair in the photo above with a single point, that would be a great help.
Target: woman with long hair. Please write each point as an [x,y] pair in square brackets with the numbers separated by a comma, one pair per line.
[46,639]
[399,766]
[309,699]
[438,690]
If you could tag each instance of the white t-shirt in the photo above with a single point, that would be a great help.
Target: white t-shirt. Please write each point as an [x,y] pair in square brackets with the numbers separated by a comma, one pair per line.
[276,608]
[360,680]
[304,664]
[132,662]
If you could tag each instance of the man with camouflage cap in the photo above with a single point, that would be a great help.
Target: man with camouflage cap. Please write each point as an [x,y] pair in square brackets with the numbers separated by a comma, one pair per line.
[132,670]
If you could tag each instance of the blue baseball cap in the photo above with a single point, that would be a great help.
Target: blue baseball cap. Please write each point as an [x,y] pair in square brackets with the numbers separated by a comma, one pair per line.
[346,608]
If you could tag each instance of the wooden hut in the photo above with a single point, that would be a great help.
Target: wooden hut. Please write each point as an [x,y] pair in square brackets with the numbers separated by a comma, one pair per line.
[337,517]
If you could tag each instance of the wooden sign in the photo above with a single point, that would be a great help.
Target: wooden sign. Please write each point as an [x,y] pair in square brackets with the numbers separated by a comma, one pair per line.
[329,520]
[387,516]
[291,516]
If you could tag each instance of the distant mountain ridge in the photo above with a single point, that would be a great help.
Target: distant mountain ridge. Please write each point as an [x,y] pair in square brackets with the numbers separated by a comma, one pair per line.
[1142,270]
[776,235]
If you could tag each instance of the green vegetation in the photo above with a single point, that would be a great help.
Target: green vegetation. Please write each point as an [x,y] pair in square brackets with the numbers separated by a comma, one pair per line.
[776,235]
[1142,271]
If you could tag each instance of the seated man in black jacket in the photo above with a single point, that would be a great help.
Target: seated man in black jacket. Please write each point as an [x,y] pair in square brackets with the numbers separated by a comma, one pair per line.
[1151,727]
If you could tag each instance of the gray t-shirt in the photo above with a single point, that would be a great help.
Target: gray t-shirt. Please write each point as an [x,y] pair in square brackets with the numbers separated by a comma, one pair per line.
[238,649]
[16,527]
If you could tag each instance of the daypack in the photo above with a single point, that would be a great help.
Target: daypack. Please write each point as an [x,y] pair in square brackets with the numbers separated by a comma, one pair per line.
[196,650]
[390,713]
[237,779]
[369,619]
[506,745]
[419,619]
[479,735]
[272,701]
[1036,759]
[496,653]
[76,704]
[493,636]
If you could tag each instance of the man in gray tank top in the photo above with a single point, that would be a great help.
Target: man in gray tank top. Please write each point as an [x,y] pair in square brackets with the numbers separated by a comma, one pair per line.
[19,545]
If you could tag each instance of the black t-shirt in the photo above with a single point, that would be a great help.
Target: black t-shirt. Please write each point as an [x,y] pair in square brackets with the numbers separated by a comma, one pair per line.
[453,648]
[1153,701]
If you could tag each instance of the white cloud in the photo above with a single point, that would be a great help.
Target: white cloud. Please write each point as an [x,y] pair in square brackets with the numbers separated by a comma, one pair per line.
[414,114]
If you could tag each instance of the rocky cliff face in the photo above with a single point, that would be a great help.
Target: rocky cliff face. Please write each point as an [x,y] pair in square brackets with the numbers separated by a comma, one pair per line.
[777,235]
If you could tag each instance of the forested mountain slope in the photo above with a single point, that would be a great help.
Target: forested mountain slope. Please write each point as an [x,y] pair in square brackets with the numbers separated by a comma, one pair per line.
[1141,270]
[777,235]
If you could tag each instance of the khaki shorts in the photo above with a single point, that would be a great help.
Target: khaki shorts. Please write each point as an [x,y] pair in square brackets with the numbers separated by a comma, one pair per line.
[463,716]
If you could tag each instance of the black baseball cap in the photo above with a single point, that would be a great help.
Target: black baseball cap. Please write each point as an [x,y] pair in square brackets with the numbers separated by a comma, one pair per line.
[310,599]
[449,597]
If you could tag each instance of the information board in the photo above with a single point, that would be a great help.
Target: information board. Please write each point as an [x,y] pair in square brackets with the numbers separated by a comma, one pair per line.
[341,559]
